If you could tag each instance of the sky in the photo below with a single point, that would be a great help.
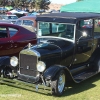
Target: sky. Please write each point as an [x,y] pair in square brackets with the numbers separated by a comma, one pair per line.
[62,1]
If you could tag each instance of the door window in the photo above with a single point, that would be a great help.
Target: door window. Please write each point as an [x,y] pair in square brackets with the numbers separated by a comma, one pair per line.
[97,28]
[18,22]
[28,22]
[84,26]
[12,31]
[3,32]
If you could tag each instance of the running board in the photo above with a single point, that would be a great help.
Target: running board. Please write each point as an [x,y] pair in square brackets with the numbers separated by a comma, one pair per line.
[85,75]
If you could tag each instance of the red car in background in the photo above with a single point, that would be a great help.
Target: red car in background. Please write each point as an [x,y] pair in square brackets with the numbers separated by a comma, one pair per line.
[14,38]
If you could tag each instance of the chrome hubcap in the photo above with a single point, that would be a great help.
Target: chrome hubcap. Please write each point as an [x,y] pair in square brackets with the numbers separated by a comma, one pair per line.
[99,66]
[61,83]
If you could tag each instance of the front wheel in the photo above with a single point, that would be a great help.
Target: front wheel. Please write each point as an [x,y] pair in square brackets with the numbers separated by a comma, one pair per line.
[58,84]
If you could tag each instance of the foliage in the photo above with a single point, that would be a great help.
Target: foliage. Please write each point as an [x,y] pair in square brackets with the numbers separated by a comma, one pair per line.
[37,4]
[44,4]
[40,4]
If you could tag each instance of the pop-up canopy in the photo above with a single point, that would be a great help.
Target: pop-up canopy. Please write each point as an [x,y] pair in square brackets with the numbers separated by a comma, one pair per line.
[82,6]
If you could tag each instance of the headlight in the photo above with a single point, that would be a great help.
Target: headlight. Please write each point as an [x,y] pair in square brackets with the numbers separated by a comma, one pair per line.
[14,61]
[41,66]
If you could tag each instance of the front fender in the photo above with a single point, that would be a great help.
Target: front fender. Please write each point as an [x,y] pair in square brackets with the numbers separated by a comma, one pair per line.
[4,61]
[52,71]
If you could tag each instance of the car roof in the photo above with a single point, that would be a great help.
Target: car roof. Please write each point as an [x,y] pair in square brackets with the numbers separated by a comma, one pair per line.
[73,15]
[7,15]
[28,17]
[65,16]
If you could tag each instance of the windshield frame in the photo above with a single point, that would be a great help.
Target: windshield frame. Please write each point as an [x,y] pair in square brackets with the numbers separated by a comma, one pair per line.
[55,36]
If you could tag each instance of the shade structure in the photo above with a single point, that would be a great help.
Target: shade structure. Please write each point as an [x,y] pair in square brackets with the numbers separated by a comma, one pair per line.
[82,6]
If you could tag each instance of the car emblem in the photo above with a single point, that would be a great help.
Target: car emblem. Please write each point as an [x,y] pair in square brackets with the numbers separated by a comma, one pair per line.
[28,67]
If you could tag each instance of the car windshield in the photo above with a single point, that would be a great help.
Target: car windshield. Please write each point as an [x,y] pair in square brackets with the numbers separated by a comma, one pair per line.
[10,17]
[56,30]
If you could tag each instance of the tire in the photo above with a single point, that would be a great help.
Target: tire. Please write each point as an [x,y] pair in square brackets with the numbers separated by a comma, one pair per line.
[98,65]
[7,73]
[58,84]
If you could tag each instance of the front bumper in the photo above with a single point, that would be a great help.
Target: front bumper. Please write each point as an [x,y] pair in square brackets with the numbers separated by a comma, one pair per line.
[27,86]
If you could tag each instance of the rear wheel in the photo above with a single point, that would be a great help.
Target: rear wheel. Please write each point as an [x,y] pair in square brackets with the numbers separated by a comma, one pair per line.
[58,84]
[98,65]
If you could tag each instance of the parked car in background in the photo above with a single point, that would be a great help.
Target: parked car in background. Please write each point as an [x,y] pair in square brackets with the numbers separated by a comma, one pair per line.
[14,38]
[2,9]
[6,21]
[11,18]
[27,22]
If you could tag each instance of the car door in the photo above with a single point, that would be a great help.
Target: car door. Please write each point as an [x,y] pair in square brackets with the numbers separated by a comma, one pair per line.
[83,47]
[5,43]
[14,39]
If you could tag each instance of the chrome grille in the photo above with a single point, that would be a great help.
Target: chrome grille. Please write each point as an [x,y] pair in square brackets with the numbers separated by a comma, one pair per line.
[28,64]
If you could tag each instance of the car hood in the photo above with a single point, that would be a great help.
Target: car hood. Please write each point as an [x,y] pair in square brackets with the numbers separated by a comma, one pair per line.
[52,46]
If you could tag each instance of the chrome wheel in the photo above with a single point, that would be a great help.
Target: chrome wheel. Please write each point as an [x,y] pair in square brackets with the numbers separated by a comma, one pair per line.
[98,65]
[61,83]
[58,84]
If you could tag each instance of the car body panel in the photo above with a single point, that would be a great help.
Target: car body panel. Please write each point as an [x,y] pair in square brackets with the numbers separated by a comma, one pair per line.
[13,44]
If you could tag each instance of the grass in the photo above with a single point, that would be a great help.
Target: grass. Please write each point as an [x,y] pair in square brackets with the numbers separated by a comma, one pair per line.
[87,90]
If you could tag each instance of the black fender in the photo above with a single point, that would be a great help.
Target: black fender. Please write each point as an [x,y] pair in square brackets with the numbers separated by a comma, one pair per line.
[52,71]
[5,64]
[4,61]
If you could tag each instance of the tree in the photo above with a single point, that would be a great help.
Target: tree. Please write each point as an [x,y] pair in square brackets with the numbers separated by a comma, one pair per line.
[40,4]
[3,2]
[16,3]
[37,4]
[44,4]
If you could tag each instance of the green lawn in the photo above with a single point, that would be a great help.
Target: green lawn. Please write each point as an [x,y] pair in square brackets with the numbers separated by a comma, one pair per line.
[87,90]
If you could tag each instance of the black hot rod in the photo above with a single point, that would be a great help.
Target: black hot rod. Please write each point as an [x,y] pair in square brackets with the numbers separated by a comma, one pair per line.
[68,50]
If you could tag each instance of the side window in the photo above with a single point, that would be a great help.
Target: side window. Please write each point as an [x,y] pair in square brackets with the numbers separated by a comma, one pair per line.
[44,28]
[18,22]
[85,26]
[3,32]
[12,31]
[88,23]
[96,27]
[28,22]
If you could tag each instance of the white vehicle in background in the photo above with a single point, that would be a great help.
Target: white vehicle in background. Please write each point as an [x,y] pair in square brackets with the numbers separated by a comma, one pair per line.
[6,21]
[11,18]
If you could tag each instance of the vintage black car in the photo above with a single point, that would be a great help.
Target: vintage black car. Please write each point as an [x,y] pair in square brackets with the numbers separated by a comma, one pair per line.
[66,52]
